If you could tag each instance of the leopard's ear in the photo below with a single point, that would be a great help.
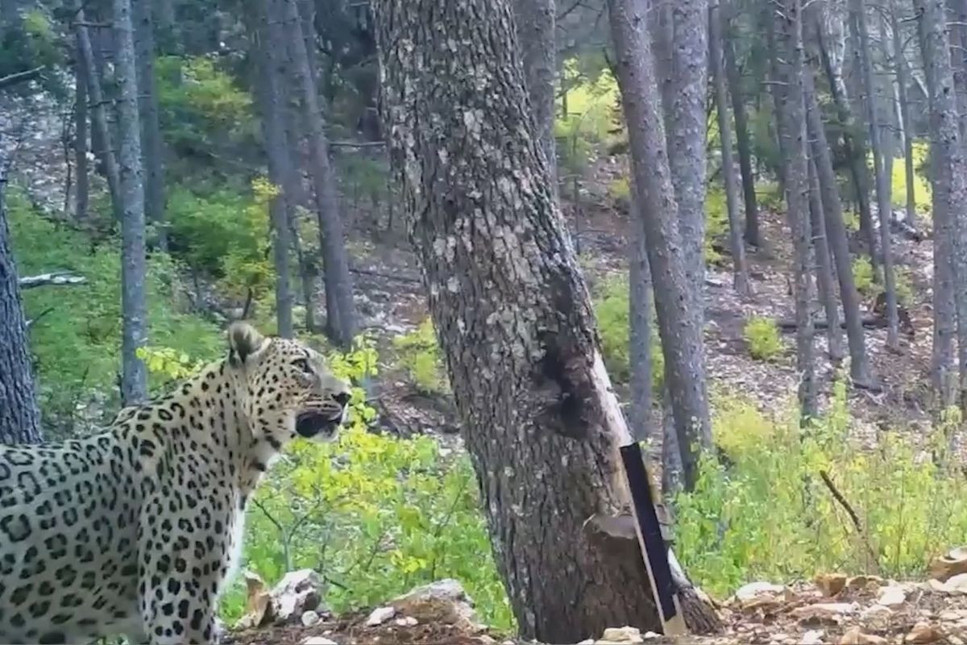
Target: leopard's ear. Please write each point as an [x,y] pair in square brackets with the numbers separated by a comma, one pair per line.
[243,341]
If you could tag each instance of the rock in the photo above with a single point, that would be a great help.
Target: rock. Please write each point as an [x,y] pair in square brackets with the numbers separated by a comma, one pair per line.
[814,636]
[298,592]
[855,636]
[924,633]
[407,621]
[950,564]
[864,582]
[830,584]
[380,615]
[310,618]
[442,601]
[624,634]
[258,604]
[319,640]
[753,589]
[891,596]
[823,612]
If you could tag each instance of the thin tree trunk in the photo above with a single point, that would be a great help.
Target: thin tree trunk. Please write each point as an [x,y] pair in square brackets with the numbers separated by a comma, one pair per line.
[134,381]
[788,62]
[19,414]
[340,307]
[639,332]
[514,320]
[740,272]
[680,329]
[98,107]
[81,121]
[152,151]
[883,200]
[907,126]
[272,40]
[538,45]
[860,372]
[950,200]
[824,269]
[743,140]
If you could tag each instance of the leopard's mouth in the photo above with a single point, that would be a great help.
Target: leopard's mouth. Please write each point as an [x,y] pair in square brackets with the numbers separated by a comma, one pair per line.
[318,424]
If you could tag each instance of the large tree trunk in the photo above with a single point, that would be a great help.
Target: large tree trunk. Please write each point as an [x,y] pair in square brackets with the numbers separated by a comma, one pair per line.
[950,197]
[134,377]
[81,122]
[152,152]
[19,415]
[639,326]
[538,45]
[905,122]
[788,62]
[740,271]
[838,241]
[884,208]
[680,329]
[824,269]
[340,307]
[743,140]
[514,319]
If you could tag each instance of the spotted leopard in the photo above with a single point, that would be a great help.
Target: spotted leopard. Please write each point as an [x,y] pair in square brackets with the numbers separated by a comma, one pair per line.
[134,531]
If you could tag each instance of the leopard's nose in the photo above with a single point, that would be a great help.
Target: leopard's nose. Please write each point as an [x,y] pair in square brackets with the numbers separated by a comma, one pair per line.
[342,398]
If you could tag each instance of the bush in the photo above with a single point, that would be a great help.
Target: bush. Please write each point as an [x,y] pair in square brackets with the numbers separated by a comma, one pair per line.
[611,310]
[762,337]
[716,222]
[769,515]
[871,287]
[591,103]
[419,354]
[922,193]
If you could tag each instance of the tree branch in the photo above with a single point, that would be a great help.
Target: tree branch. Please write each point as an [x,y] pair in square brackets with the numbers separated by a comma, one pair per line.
[57,279]
[20,77]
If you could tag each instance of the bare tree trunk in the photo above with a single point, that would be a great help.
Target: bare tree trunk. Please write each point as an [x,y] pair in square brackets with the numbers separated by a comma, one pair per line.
[19,414]
[883,200]
[538,46]
[134,378]
[680,329]
[743,141]
[950,198]
[168,42]
[907,125]
[89,69]
[788,61]
[340,307]
[740,272]
[82,194]
[152,151]
[860,372]
[854,144]
[514,319]
[824,269]
[639,332]
[272,45]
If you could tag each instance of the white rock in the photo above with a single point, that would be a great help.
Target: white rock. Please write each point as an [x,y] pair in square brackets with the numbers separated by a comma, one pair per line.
[891,596]
[380,615]
[407,621]
[319,640]
[310,618]
[812,637]
[753,589]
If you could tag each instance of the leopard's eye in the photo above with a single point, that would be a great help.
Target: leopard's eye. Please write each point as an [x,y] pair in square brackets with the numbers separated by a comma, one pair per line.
[303,365]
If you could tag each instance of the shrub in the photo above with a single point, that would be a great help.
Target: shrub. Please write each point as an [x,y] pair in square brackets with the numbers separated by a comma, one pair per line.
[716,222]
[591,104]
[611,310]
[871,287]
[419,354]
[768,515]
[763,338]
[922,193]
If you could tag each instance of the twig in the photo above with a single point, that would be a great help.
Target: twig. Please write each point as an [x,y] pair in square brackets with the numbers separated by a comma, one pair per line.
[43,313]
[838,496]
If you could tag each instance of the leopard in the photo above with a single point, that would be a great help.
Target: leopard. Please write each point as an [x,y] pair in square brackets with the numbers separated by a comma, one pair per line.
[135,530]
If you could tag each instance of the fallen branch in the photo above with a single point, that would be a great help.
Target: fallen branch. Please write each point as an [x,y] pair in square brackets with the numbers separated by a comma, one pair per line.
[56,279]
[869,322]
[387,276]
[39,316]
[838,496]
[20,77]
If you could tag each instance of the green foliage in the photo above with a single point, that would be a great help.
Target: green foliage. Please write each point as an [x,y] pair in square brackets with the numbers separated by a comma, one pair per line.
[716,222]
[32,43]
[375,514]
[763,339]
[768,515]
[871,286]
[922,192]
[590,118]
[768,195]
[611,310]
[76,345]
[419,354]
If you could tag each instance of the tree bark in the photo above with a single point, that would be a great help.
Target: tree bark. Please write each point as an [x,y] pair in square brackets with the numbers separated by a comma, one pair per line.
[340,307]
[538,45]
[513,317]
[134,377]
[884,208]
[680,329]
[906,124]
[740,272]
[639,326]
[860,372]
[743,140]
[81,121]
[824,269]
[152,151]
[949,197]
[19,414]
[271,38]
[788,62]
